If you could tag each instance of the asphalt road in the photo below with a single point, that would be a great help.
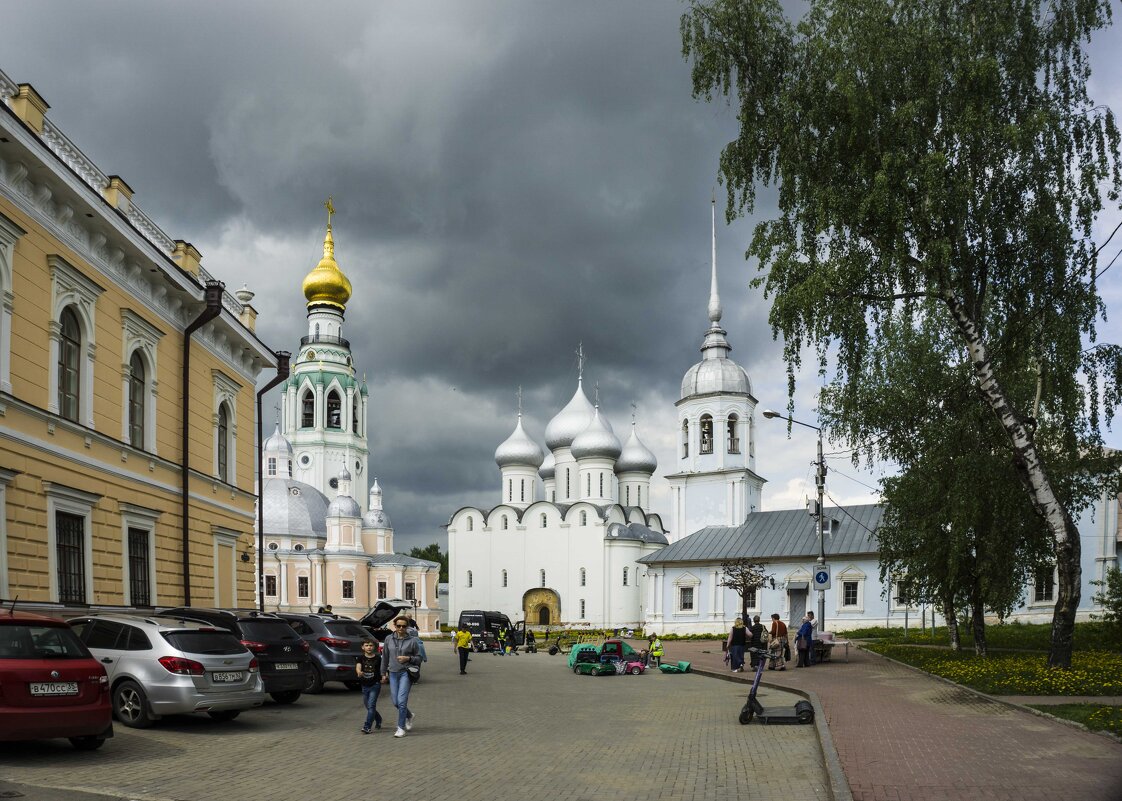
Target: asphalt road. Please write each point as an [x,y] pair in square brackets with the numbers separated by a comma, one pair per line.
[514,727]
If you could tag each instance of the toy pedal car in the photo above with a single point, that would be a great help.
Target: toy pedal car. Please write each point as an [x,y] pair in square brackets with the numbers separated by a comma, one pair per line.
[594,669]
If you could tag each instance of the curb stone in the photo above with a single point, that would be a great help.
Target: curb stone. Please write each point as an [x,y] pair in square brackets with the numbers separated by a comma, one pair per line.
[839,785]
[998,699]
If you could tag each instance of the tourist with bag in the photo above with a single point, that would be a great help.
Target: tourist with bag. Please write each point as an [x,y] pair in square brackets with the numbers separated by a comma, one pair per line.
[735,644]
[802,643]
[400,652]
[778,646]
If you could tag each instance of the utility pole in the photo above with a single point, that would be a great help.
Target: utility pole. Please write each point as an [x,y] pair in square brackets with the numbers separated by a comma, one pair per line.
[820,521]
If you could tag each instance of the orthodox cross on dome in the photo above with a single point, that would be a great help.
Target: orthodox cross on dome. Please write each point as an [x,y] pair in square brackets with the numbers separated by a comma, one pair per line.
[519,400]
[596,394]
[634,409]
[330,210]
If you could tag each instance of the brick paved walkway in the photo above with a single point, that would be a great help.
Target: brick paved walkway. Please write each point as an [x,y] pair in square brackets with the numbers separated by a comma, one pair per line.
[905,736]
[520,727]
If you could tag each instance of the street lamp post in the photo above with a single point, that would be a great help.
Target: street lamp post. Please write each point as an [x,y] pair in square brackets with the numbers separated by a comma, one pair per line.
[819,517]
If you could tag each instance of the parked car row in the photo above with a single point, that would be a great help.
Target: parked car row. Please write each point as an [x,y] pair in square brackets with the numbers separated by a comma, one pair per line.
[71,678]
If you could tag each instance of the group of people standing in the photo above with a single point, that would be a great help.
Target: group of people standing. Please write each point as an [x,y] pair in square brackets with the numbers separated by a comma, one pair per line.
[744,637]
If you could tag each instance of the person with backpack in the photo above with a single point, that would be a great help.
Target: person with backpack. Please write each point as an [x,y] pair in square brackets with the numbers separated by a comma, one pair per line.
[777,644]
[368,668]
[803,643]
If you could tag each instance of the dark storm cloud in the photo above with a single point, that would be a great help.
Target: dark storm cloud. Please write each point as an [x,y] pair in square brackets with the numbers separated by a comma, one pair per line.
[512,179]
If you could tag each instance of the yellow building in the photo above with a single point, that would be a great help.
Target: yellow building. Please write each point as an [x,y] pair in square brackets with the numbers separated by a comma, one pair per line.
[123,481]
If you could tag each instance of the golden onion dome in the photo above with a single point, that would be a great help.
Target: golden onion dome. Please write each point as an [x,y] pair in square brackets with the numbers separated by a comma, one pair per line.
[326,283]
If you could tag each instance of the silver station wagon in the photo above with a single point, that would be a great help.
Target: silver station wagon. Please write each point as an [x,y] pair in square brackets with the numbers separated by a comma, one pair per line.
[164,666]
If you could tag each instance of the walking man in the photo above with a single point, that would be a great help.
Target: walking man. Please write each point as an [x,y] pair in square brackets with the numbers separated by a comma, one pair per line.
[400,652]
[777,642]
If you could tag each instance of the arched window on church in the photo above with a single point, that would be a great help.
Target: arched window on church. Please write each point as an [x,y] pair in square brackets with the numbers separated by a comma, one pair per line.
[272,469]
[317,330]
[469,578]
[685,438]
[543,577]
[583,577]
[504,578]
[584,518]
[733,435]
[308,410]
[568,490]
[543,520]
[354,414]
[625,577]
[504,527]
[588,485]
[601,485]
[706,434]
[334,410]
[470,525]
[509,490]
[627,495]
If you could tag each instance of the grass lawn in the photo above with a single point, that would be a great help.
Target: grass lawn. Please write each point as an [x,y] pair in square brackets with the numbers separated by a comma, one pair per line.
[1014,673]
[1094,716]
[1020,636]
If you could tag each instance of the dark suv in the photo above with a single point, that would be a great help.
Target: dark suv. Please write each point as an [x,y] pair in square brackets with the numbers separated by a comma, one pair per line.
[281,653]
[336,644]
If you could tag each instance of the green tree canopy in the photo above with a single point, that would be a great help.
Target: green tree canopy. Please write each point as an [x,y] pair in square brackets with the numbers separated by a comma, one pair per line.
[433,554]
[938,166]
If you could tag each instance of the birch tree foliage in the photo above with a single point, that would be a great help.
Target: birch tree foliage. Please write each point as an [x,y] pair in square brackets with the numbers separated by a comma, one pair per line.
[938,166]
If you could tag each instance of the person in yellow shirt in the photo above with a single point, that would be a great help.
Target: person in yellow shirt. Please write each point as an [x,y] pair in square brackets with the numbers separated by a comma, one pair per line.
[463,647]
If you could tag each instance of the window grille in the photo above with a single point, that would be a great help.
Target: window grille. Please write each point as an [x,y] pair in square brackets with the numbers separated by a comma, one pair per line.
[70,534]
[140,591]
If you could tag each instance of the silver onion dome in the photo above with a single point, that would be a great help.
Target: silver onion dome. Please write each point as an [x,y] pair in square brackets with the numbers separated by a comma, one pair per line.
[720,375]
[277,443]
[548,468]
[570,421]
[519,449]
[293,507]
[344,474]
[376,518]
[344,506]
[636,457]
[597,440]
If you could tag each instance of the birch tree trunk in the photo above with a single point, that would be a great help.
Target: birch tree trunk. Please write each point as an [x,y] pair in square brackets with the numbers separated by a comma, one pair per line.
[1034,476]
[951,616]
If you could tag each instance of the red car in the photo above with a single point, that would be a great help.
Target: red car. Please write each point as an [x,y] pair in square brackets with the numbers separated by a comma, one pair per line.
[50,685]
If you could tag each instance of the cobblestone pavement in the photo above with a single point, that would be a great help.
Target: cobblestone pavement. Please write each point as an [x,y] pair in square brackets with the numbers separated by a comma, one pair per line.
[905,736]
[515,727]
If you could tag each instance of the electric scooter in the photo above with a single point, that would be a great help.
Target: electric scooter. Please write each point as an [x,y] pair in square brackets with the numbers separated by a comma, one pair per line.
[803,711]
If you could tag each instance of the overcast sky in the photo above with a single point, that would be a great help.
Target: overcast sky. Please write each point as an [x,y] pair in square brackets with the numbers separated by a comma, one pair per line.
[510,179]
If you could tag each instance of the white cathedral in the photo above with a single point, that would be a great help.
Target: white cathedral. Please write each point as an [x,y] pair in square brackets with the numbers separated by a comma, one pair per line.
[324,546]
[564,544]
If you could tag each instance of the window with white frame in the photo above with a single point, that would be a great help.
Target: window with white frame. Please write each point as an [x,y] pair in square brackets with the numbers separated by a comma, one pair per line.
[685,438]
[1044,585]
[686,589]
[10,234]
[685,599]
[301,586]
[543,520]
[469,524]
[348,589]
[851,590]
[272,468]
[503,521]
[138,554]
[72,342]
[733,437]
[70,542]
[140,339]
[582,608]
[625,577]
[584,518]
[270,585]
[504,578]
[225,426]
[410,590]
[750,599]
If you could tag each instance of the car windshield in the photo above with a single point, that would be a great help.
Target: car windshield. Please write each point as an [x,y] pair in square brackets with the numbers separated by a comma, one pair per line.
[204,642]
[40,642]
[348,628]
[268,630]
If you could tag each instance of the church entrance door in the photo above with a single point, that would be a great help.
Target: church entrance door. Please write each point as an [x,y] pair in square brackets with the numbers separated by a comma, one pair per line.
[542,607]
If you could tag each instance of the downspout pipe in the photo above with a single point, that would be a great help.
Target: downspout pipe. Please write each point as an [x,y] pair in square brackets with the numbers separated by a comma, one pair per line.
[283,357]
[213,297]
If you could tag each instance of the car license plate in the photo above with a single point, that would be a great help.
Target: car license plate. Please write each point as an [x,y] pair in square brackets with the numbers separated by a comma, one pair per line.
[54,688]
[287,666]
[228,676]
